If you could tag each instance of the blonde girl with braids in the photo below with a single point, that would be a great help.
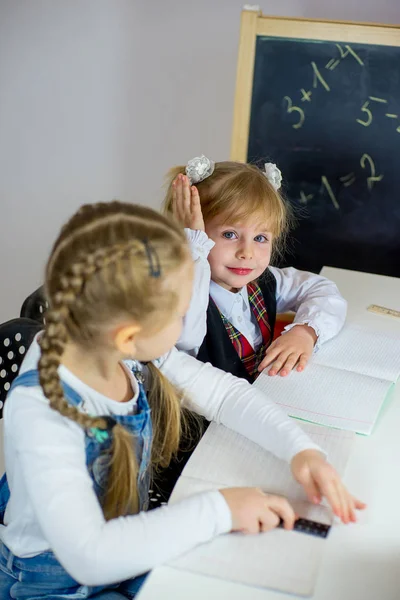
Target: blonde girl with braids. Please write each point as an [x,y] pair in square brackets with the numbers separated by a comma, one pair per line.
[82,433]
[236,221]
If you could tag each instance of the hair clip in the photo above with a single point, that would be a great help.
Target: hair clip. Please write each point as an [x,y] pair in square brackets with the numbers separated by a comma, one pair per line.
[199,168]
[152,257]
[273,174]
[102,435]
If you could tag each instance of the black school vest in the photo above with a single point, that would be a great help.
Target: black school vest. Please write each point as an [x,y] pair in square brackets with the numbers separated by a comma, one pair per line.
[217,348]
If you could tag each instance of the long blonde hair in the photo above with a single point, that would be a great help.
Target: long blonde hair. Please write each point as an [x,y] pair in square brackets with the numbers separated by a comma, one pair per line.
[238,192]
[104,267]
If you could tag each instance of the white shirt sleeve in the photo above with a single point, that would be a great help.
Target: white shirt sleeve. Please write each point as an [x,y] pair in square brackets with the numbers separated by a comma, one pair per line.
[195,321]
[316,301]
[226,399]
[50,452]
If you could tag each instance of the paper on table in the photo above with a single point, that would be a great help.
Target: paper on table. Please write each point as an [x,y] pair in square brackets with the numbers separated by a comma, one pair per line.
[362,351]
[226,458]
[345,383]
[281,560]
[328,396]
[287,561]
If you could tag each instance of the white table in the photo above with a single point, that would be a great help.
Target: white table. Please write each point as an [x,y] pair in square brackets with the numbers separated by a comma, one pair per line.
[362,561]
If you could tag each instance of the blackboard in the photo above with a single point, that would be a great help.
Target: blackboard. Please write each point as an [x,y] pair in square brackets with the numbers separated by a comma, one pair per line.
[327,112]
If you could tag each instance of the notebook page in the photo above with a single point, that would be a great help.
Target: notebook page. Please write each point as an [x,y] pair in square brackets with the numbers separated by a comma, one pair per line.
[284,560]
[366,352]
[324,395]
[226,458]
[287,561]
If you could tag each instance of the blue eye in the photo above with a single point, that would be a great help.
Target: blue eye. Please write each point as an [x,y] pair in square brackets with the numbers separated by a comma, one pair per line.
[229,235]
[261,238]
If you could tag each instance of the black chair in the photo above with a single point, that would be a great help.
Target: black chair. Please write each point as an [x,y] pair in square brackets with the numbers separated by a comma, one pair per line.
[35,306]
[15,338]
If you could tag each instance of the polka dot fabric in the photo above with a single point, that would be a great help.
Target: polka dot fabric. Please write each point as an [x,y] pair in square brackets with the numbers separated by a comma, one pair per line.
[15,338]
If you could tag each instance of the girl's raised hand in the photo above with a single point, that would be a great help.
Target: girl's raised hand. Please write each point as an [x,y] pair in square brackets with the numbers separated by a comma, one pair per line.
[186,205]
[319,479]
[290,350]
[254,511]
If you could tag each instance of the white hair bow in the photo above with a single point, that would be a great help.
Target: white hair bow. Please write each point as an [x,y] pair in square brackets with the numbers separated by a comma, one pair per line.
[273,174]
[199,168]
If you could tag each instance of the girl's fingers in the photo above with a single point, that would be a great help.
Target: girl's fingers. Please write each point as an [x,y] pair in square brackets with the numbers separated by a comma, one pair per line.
[268,520]
[284,351]
[186,203]
[351,509]
[278,364]
[196,212]
[303,360]
[283,510]
[358,504]
[274,370]
[186,195]
[289,364]
[331,495]
[196,207]
[351,504]
[344,502]
[271,354]
[311,489]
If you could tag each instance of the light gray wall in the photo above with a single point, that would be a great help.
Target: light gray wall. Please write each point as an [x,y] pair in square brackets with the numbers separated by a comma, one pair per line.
[98,98]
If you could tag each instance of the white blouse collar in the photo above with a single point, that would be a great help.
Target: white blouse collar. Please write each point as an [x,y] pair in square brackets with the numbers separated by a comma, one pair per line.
[227,301]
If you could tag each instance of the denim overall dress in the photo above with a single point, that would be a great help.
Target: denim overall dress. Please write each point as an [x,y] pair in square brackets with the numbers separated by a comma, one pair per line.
[43,576]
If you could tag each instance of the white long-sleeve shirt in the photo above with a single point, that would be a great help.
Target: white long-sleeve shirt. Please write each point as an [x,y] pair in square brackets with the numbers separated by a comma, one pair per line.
[315,300]
[53,505]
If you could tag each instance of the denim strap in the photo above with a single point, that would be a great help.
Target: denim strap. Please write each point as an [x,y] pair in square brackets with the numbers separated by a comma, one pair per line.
[31,379]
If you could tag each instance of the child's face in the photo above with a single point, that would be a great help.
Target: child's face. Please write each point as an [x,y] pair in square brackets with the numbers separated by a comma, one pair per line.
[149,347]
[241,252]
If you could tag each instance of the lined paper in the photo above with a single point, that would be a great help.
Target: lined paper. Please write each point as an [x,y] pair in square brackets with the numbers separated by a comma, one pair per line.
[345,383]
[283,560]
[362,351]
[226,458]
[328,396]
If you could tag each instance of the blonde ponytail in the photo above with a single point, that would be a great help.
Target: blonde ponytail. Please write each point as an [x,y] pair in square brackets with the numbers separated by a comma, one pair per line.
[122,495]
[175,427]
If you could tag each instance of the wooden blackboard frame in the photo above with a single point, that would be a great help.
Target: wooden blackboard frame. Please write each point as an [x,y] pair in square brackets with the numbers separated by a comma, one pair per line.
[254,23]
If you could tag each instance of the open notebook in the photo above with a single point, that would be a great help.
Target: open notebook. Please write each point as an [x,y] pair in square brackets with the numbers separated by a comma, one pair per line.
[345,383]
[284,560]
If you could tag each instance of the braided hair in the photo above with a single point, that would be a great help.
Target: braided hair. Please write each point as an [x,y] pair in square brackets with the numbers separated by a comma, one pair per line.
[101,269]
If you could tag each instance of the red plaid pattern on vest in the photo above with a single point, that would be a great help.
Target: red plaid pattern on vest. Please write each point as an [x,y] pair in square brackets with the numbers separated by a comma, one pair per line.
[249,357]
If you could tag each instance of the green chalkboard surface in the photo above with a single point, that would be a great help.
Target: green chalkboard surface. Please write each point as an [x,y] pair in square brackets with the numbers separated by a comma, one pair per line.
[328,114]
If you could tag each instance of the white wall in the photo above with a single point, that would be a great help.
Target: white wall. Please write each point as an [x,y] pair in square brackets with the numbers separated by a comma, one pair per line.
[98,98]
